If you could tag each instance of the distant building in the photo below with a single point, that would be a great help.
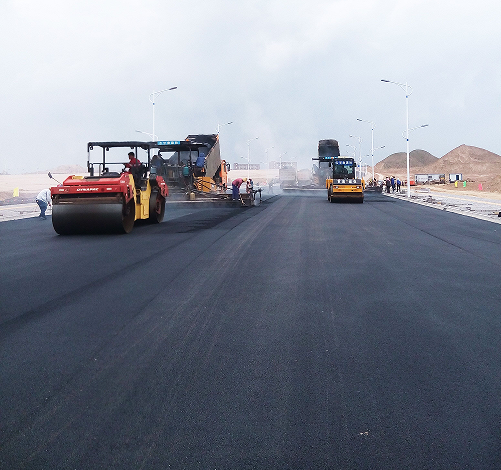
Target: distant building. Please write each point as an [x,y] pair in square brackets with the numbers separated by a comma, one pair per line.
[429,178]
[244,166]
[276,165]
[455,177]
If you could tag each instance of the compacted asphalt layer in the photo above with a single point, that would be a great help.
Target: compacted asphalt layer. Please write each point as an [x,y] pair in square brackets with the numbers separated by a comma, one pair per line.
[294,335]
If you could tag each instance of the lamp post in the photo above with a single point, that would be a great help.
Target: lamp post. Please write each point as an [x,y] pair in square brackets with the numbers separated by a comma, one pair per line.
[248,156]
[221,125]
[372,143]
[267,159]
[152,100]
[405,134]
[152,137]
[405,87]
[280,158]
[354,150]
[359,148]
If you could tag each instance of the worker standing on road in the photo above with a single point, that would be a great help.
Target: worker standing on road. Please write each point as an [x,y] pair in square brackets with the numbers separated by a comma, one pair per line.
[388,184]
[43,200]
[399,184]
[249,186]
[235,187]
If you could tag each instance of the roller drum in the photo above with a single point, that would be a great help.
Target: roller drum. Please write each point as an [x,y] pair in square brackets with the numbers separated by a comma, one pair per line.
[92,217]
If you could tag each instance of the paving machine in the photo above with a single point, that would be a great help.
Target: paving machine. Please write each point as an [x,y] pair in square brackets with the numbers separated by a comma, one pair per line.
[114,195]
[342,184]
[193,166]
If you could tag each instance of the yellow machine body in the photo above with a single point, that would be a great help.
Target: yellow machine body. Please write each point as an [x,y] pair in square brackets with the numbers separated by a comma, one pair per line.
[348,189]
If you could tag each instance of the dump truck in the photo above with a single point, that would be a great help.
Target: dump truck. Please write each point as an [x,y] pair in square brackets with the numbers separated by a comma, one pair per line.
[341,183]
[113,197]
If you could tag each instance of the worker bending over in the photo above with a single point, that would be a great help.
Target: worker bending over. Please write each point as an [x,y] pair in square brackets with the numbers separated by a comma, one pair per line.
[43,200]
[235,186]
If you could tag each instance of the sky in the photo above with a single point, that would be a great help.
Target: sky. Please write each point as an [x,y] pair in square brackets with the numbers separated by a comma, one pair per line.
[287,72]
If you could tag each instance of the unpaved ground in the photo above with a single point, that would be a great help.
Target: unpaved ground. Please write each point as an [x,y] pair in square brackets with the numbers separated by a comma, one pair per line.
[466,203]
[452,190]
[29,186]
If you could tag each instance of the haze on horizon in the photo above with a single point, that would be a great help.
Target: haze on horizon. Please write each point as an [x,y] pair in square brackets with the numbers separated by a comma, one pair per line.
[287,72]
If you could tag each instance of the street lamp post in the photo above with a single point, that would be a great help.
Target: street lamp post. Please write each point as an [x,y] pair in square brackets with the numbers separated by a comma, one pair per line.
[248,156]
[267,159]
[405,134]
[359,150]
[377,148]
[221,125]
[152,100]
[405,87]
[372,143]
[354,150]
[152,137]
[280,158]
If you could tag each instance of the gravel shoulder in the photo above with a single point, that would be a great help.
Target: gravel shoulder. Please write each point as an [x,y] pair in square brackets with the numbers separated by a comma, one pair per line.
[467,203]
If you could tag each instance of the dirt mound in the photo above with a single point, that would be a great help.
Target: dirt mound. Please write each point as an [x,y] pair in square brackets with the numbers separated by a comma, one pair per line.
[477,165]
[469,161]
[395,161]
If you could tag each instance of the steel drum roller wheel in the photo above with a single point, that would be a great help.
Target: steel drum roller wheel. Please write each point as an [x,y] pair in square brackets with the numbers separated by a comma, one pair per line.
[85,217]
[157,207]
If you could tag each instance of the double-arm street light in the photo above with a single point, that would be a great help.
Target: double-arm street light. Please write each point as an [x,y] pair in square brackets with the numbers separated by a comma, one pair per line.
[405,87]
[152,137]
[372,143]
[354,150]
[280,158]
[359,150]
[152,100]
[221,125]
[248,155]
[266,152]
[413,129]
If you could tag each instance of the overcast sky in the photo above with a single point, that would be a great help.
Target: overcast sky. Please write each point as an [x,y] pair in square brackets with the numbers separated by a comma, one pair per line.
[289,72]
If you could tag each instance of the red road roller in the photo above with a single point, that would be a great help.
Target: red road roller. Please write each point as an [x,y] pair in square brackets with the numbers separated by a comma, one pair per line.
[109,201]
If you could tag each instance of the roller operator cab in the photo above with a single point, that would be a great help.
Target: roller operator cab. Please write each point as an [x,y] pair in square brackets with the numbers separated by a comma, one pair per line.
[116,194]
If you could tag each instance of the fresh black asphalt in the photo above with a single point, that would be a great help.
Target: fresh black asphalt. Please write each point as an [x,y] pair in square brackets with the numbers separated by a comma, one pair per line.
[294,335]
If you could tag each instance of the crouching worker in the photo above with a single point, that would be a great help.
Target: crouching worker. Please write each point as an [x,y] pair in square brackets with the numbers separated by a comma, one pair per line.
[235,186]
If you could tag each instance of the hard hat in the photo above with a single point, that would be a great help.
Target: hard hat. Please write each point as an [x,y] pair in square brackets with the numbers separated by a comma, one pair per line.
[244,179]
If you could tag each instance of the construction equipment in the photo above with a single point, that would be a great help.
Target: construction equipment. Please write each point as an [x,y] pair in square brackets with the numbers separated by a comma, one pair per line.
[343,184]
[110,201]
[287,174]
[194,166]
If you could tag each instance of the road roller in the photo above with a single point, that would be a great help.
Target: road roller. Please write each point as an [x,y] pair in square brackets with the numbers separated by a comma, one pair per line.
[343,186]
[114,196]
[341,183]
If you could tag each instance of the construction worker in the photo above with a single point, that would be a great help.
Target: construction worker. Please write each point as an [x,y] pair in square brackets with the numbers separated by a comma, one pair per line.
[133,161]
[249,185]
[43,200]
[235,187]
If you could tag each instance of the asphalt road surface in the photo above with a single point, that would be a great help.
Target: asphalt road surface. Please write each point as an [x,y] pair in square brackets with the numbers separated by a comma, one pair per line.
[298,334]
